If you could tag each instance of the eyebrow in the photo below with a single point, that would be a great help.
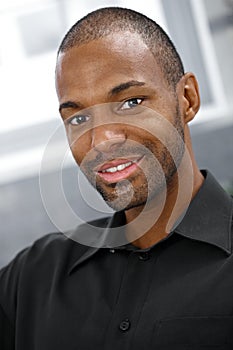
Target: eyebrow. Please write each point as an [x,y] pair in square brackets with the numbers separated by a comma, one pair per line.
[124,86]
[114,91]
[69,104]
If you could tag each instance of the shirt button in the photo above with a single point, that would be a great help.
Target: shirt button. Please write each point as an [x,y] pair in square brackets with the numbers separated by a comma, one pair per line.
[124,325]
[144,256]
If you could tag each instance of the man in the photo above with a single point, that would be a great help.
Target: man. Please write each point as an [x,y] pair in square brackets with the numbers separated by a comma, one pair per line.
[159,274]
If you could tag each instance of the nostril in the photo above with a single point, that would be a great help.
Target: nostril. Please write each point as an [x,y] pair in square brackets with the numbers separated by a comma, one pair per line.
[109,145]
[106,140]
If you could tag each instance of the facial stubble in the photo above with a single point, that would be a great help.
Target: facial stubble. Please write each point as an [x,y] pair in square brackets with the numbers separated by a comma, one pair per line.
[154,176]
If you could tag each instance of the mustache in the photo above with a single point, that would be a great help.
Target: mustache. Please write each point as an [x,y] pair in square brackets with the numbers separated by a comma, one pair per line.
[122,152]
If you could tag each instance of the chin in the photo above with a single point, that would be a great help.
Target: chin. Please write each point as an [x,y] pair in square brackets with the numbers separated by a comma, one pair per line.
[124,196]
[120,196]
[122,205]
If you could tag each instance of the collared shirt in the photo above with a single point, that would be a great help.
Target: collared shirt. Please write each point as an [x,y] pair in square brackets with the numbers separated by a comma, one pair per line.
[178,294]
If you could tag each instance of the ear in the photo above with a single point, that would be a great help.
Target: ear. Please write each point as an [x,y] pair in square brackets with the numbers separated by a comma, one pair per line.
[188,95]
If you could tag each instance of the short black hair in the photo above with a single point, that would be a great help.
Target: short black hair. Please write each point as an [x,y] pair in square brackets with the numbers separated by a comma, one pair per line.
[108,20]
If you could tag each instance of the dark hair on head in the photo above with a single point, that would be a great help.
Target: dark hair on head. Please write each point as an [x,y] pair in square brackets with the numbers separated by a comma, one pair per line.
[106,21]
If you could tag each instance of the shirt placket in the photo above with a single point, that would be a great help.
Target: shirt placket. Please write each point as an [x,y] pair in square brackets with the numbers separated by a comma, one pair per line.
[132,295]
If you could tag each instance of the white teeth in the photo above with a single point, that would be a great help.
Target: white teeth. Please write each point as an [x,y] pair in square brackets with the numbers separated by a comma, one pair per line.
[117,168]
[121,167]
[111,170]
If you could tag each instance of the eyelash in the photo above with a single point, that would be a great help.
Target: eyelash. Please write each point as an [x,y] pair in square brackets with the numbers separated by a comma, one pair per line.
[133,99]
[121,108]
[78,116]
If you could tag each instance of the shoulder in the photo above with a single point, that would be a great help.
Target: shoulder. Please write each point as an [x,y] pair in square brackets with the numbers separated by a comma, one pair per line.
[53,247]
[44,247]
[47,259]
[24,262]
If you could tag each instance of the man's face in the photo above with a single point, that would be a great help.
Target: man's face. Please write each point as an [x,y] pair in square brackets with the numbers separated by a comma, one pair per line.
[122,120]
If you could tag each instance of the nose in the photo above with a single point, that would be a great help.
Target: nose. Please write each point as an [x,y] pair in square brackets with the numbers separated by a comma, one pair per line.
[107,138]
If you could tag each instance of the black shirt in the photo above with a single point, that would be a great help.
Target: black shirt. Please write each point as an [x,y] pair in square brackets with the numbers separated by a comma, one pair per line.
[59,294]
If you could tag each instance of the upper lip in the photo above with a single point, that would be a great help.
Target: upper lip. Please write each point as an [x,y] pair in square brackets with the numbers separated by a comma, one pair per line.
[116,162]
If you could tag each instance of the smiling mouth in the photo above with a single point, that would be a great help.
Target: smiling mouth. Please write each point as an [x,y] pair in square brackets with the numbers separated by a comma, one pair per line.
[118,170]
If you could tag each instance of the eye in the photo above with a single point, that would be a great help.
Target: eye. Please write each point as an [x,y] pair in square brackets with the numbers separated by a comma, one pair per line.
[131,103]
[78,119]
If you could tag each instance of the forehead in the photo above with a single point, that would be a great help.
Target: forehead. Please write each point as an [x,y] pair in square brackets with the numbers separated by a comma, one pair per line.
[105,62]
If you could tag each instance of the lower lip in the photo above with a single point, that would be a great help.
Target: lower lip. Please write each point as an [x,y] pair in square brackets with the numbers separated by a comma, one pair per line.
[119,175]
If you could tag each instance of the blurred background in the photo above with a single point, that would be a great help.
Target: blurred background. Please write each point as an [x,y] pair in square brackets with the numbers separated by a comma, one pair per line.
[33,165]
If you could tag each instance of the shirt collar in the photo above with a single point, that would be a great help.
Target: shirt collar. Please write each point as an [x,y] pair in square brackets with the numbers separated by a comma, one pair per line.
[208,219]
[209,216]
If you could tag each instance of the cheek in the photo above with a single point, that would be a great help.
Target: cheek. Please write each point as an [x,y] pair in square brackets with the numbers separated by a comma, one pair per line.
[80,148]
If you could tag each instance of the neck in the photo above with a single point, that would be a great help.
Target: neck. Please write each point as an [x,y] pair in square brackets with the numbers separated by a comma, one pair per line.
[147,225]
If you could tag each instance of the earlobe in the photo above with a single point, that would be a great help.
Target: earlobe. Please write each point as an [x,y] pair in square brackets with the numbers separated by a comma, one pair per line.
[188,90]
